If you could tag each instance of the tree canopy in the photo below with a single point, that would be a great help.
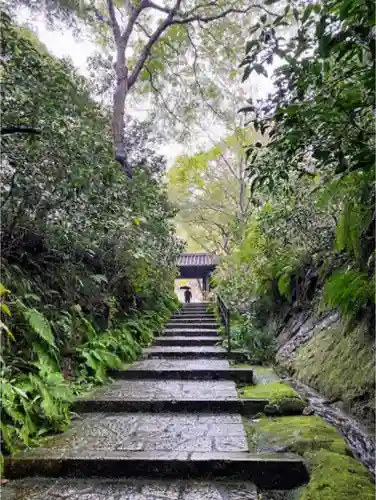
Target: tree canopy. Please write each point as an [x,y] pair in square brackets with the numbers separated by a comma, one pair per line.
[164,49]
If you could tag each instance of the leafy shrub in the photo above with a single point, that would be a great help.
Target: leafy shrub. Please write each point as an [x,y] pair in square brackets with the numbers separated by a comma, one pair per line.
[88,258]
[258,343]
[350,290]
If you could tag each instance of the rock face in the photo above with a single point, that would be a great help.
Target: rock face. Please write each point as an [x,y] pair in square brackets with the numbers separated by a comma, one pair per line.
[333,358]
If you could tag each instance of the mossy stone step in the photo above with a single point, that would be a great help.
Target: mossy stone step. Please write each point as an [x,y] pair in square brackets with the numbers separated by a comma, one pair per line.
[271,471]
[186,341]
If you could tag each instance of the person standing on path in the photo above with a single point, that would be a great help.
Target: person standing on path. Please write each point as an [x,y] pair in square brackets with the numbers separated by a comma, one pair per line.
[187,296]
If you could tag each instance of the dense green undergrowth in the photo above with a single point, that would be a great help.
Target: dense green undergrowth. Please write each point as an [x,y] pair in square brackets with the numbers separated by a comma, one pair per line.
[38,389]
[88,257]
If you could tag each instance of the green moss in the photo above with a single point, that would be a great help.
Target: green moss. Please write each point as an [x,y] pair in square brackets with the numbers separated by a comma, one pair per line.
[337,477]
[326,361]
[334,474]
[125,366]
[283,399]
[273,391]
[294,434]
[264,375]
[241,365]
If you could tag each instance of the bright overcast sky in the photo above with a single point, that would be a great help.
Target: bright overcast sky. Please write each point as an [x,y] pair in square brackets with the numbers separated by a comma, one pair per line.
[65,44]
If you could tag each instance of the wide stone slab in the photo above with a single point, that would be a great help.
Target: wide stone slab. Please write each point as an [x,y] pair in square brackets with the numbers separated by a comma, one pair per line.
[177,396]
[184,369]
[123,489]
[181,364]
[198,316]
[187,319]
[241,375]
[125,433]
[175,325]
[243,406]
[166,390]
[191,332]
[271,471]
[186,341]
[193,352]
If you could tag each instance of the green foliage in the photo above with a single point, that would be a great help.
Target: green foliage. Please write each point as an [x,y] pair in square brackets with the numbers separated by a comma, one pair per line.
[210,189]
[312,178]
[258,343]
[351,291]
[88,259]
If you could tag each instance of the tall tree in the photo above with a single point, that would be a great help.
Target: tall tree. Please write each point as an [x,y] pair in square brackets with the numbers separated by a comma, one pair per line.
[151,39]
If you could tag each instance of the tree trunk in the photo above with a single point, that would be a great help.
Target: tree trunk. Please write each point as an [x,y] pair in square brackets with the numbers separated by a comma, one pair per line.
[120,94]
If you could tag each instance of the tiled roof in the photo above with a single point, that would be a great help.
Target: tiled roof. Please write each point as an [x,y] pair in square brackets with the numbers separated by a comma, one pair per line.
[197,259]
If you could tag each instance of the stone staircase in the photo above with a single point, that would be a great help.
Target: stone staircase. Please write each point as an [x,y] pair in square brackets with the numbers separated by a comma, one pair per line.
[169,427]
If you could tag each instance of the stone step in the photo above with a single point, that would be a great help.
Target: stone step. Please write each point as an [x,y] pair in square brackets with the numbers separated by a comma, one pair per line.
[176,396]
[240,375]
[190,332]
[126,489]
[174,325]
[186,341]
[188,319]
[272,471]
[194,352]
[246,407]
[196,309]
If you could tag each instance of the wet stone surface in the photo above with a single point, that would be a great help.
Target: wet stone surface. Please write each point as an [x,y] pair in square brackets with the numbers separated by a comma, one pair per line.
[179,349]
[80,489]
[181,364]
[148,432]
[167,390]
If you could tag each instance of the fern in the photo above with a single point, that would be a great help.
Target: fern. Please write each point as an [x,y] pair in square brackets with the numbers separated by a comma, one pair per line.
[349,290]
[39,324]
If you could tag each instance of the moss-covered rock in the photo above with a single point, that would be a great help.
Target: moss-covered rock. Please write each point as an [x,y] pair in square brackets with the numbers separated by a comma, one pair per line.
[294,434]
[334,474]
[337,477]
[283,399]
[338,363]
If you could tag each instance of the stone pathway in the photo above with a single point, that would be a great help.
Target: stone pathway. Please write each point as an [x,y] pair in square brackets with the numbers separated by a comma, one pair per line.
[174,415]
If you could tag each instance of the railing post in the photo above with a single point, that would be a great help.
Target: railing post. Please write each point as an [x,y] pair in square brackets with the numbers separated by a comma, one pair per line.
[228,321]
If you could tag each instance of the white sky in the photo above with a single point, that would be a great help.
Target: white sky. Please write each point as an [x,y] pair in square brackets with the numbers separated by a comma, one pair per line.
[63,43]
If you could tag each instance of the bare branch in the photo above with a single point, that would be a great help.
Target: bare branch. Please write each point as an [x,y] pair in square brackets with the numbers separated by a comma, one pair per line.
[214,111]
[152,40]
[193,13]
[208,19]
[135,12]
[157,91]
[153,5]
[144,30]
[113,20]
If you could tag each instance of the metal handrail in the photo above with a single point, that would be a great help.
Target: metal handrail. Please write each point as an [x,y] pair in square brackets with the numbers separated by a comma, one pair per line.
[225,316]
